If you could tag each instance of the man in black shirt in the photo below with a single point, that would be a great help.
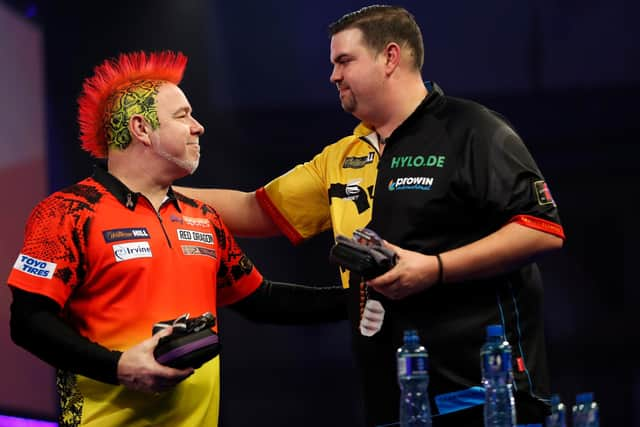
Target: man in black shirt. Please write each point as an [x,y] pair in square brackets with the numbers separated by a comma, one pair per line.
[457,196]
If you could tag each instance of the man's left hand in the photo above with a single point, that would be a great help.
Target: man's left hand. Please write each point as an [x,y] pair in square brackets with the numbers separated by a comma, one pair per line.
[413,273]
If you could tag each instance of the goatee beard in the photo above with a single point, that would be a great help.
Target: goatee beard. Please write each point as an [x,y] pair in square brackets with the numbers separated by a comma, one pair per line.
[188,166]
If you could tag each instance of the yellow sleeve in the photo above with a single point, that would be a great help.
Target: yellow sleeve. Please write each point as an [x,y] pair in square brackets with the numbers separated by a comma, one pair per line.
[298,201]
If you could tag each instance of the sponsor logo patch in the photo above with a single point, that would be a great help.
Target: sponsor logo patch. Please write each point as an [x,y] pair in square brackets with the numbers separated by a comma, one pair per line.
[194,236]
[351,191]
[196,222]
[357,162]
[422,183]
[430,161]
[34,266]
[119,234]
[198,250]
[126,251]
[543,193]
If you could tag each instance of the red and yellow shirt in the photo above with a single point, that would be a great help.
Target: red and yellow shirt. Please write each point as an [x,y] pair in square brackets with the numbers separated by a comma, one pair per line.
[116,266]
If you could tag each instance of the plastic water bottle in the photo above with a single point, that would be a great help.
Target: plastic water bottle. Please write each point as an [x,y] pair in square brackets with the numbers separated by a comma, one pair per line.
[585,412]
[413,378]
[497,379]
[558,417]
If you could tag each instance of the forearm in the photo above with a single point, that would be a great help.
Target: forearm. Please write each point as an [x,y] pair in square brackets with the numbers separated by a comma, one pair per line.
[36,327]
[239,210]
[286,303]
[505,250]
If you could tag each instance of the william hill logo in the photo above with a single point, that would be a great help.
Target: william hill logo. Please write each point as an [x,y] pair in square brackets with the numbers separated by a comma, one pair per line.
[422,183]
[119,234]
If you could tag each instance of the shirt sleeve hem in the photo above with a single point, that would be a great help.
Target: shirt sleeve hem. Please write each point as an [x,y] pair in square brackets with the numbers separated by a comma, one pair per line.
[281,222]
[244,288]
[539,224]
[26,286]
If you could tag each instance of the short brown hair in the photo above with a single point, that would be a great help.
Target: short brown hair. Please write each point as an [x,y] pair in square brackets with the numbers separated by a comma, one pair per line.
[381,25]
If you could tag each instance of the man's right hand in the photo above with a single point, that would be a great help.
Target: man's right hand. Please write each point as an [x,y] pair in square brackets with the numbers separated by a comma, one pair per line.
[139,370]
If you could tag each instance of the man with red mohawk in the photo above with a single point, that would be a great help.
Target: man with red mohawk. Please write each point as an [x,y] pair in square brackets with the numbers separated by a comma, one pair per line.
[105,259]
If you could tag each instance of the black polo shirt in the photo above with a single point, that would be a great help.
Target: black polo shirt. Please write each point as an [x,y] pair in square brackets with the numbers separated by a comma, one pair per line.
[451,174]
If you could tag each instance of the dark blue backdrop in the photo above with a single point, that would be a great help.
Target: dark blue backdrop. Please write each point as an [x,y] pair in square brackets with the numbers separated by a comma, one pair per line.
[566,73]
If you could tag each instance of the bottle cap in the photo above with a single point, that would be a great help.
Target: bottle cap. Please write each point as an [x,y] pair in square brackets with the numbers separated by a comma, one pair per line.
[411,336]
[495,331]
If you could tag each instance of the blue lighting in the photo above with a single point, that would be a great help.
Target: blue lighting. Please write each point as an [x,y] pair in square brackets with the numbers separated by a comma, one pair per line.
[31,11]
[6,421]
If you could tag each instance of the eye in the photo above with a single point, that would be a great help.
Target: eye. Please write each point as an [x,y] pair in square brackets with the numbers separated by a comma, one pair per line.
[342,60]
[182,113]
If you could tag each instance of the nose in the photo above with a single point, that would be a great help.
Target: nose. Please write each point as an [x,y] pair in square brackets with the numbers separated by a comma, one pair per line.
[197,128]
[334,77]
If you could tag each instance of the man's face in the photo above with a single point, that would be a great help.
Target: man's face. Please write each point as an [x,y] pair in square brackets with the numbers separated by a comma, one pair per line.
[177,137]
[357,72]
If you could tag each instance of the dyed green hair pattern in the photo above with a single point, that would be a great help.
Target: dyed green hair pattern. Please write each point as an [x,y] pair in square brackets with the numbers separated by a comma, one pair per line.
[119,88]
[138,97]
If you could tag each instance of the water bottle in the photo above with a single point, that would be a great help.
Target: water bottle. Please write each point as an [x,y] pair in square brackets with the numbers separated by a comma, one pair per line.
[585,412]
[558,417]
[497,379]
[413,378]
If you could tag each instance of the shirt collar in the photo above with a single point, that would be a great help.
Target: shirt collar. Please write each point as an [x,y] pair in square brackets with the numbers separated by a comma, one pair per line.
[433,100]
[121,192]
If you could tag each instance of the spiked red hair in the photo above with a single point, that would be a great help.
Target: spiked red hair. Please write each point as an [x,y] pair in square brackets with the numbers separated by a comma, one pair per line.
[109,77]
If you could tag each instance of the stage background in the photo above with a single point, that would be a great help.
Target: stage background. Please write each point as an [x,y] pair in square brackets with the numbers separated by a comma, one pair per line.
[565,73]
[27,383]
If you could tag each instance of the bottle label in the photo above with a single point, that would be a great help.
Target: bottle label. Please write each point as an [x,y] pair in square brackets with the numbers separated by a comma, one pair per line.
[412,365]
[495,362]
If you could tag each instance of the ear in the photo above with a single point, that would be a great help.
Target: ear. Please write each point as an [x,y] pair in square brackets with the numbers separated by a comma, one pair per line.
[392,54]
[140,129]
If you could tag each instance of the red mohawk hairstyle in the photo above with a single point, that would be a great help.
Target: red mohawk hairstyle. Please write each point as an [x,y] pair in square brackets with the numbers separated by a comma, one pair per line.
[108,78]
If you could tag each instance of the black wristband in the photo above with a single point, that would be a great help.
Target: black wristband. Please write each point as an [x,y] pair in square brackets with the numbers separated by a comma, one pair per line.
[440,270]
